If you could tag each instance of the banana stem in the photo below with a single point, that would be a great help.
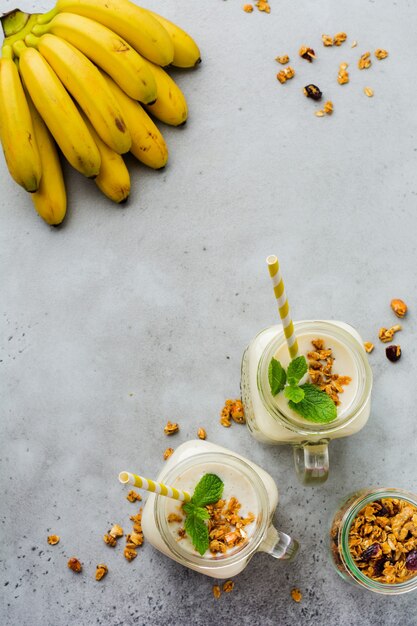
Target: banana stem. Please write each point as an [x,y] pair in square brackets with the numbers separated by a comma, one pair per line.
[47,17]
[18,47]
[31,41]
[40,29]
[25,30]
[13,22]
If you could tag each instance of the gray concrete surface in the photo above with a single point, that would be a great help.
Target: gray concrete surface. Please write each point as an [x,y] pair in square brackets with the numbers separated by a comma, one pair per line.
[127,317]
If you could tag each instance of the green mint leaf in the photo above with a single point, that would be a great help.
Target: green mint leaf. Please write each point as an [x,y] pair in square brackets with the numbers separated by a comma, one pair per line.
[191,509]
[276,376]
[197,530]
[296,370]
[295,394]
[316,406]
[209,489]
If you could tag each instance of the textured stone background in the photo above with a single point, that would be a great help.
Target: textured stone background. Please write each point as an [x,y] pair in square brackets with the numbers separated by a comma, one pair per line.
[127,317]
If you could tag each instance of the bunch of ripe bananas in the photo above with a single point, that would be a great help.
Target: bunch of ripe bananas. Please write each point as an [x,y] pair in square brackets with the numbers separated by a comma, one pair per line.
[84,77]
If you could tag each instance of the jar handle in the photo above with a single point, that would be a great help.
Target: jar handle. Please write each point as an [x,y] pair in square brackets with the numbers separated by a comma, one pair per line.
[312,462]
[278,544]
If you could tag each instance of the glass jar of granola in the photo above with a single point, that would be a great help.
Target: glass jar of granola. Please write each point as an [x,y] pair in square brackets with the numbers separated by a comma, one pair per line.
[240,524]
[373,539]
[271,420]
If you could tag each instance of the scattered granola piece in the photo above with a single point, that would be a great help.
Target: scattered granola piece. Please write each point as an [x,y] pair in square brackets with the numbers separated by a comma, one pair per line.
[232,410]
[343,77]
[283,60]
[393,353]
[380,53]
[399,307]
[201,433]
[132,496]
[339,38]
[327,40]
[216,591]
[296,594]
[111,541]
[313,92]
[320,369]
[328,107]
[168,453]
[171,428]
[365,62]
[174,517]
[130,553]
[320,113]
[354,44]
[281,76]
[289,72]
[248,8]
[75,565]
[343,66]
[368,346]
[225,421]
[53,540]
[101,571]
[386,334]
[116,531]
[263,6]
[368,92]
[307,53]
[228,586]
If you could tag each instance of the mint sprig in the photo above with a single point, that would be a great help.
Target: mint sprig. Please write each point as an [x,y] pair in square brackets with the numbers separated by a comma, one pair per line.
[208,490]
[307,400]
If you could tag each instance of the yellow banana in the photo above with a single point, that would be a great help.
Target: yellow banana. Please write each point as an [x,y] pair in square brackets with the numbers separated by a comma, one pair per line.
[170,106]
[125,18]
[85,83]
[148,145]
[51,199]
[107,50]
[58,111]
[186,52]
[16,127]
[113,179]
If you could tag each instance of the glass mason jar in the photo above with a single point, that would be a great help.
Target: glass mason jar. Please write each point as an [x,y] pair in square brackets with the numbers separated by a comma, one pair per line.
[339,540]
[199,457]
[270,419]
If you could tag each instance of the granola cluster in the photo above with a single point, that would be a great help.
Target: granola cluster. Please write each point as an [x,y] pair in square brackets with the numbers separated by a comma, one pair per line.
[286,74]
[261,5]
[232,410]
[135,538]
[383,540]
[171,428]
[387,334]
[320,366]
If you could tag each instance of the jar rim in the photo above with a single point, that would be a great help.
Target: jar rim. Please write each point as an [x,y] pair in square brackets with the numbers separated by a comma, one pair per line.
[262,520]
[364,498]
[359,355]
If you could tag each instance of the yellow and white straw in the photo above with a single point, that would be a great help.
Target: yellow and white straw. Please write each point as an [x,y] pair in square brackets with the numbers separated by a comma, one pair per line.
[283,306]
[150,485]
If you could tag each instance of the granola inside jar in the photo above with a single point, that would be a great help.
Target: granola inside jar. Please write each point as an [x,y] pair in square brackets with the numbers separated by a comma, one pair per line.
[373,540]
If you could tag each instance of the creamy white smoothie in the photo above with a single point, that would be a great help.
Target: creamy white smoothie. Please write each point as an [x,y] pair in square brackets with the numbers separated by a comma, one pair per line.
[270,419]
[236,485]
[250,484]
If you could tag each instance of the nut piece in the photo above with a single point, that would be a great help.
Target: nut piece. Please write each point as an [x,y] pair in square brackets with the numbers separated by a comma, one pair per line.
[171,428]
[248,8]
[116,531]
[339,38]
[289,72]
[111,541]
[380,53]
[307,53]
[343,76]
[53,540]
[365,62]
[296,595]
[368,92]
[75,565]
[168,453]
[320,113]
[101,571]
[201,433]
[354,44]
[313,92]
[216,591]
[130,553]
[132,496]
[399,307]
[263,6]
[393,353]
[233,409]
[386,334]
[283,60]
[368,346]
[328,107]
[282,77]
[327,40]
[228,586]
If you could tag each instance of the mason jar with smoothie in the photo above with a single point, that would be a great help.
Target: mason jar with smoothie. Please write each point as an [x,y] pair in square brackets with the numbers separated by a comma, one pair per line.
[336,364]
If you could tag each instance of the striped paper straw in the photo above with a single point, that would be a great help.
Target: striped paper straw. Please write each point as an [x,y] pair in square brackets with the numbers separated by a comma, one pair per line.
[150,485]
[283,306]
